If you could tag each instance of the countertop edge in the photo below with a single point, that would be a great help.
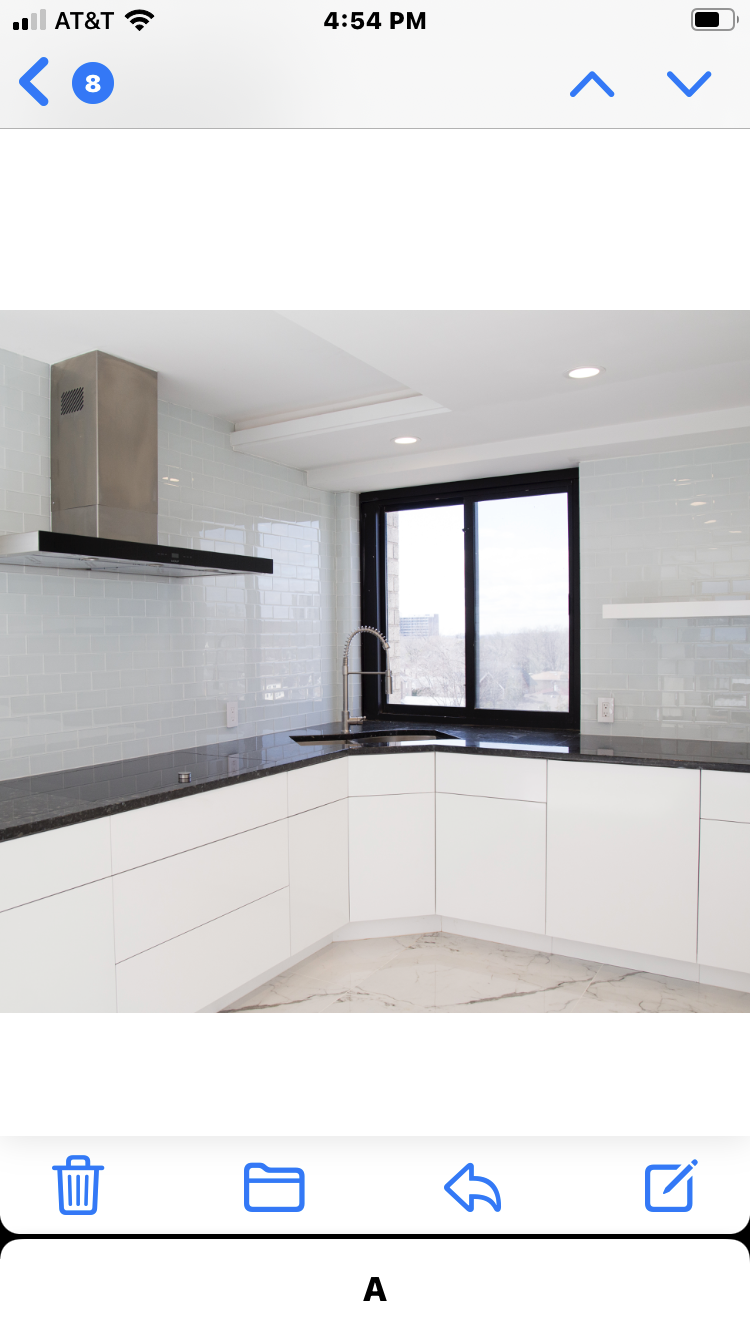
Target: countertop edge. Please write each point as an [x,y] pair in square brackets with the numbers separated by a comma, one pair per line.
[119,807]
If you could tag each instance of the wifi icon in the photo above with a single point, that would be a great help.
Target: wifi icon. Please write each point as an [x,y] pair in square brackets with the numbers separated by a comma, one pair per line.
[139,17]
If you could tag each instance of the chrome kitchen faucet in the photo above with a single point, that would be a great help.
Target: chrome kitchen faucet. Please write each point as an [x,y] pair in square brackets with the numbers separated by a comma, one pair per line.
[370,630]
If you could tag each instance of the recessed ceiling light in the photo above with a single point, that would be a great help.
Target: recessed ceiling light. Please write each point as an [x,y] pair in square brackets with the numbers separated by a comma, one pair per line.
[584,372]
[698,502]
[710,521]
[406,440]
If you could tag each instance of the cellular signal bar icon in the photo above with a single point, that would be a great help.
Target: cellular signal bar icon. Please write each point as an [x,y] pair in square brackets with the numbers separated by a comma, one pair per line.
[31,24]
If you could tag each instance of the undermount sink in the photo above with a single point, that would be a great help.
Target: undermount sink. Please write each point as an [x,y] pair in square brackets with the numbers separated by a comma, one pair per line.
[370,738]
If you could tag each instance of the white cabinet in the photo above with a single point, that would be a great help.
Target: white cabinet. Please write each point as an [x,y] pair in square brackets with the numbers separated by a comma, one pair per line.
[153,903]
[622,857]
[169,827]
[317,785]
[724,903]
[724,914]
[491,776]
[725,796]
[56,954]
[391,853]
[380,775]
[42,864]
[200,967]
[490,860]
[318,872]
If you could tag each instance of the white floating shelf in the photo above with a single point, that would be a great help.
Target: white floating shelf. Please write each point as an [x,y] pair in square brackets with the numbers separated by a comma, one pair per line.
[639,611]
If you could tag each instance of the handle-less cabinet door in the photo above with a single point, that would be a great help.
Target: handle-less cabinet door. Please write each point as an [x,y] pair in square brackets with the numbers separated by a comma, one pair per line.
[490,860]
[622,857]
[724,918]
[318,873]
[392,856]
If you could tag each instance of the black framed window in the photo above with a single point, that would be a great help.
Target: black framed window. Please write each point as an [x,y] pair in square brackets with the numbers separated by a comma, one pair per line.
[476,587]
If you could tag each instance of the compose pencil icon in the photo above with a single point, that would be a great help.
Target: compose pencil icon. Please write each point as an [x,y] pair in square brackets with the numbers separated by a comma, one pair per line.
[680,1176]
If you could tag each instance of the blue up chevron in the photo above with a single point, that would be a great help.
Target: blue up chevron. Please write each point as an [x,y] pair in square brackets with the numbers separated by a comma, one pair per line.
[604,87]
[683,86]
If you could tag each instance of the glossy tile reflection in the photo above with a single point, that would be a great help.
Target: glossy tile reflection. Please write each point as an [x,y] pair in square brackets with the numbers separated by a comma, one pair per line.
[442,973]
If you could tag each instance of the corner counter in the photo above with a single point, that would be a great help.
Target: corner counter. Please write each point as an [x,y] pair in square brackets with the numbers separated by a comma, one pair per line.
[123,889]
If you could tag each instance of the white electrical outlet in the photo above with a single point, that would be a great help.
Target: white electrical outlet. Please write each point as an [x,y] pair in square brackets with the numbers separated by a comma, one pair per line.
[605,711]
[233,715]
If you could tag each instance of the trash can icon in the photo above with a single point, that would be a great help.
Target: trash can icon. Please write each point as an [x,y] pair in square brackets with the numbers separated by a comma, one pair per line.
[77,1184]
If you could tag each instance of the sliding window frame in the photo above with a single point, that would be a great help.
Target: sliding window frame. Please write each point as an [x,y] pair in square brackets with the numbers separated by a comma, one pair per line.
[373,507]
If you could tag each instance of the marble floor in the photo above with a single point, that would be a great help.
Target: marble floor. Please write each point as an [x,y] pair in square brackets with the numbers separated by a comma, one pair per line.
[439,973]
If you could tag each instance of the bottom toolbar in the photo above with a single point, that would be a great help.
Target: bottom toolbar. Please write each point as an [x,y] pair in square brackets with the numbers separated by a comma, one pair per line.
[342,1286]
[377,1186]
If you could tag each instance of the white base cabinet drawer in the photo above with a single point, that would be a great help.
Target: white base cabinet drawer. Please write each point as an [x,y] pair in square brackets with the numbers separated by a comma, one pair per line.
[170,827]
[382,775]
[155,902]
[491,776]
[391,856]
[57,953]
[490,861]
[42,864]
[200,967]
[724,911]
[318,874]
[622,857]
[725,796]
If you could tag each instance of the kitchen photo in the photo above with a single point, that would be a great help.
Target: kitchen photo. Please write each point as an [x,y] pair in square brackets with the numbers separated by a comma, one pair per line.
[375,661]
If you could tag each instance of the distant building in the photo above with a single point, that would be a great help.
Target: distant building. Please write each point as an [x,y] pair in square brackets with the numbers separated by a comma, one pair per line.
[549,682]
[412,626]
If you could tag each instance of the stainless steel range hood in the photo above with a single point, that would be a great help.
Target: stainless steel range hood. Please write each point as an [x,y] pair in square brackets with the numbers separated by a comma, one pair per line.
[104,458]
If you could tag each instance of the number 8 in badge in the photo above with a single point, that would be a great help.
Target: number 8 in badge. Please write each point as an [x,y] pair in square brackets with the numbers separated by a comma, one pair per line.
[93,83]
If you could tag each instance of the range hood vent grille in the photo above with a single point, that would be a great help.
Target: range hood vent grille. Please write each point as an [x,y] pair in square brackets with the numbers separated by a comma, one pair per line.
[71,401]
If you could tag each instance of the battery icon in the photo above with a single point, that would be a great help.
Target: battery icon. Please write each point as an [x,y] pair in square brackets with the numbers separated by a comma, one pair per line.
[714,20]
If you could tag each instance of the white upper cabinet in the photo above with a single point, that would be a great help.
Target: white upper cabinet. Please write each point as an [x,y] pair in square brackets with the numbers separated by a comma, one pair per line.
[491,776]
[42,864]
[622,857]
[153,832]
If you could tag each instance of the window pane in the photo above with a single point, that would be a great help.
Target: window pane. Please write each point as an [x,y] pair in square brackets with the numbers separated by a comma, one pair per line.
[522,603]
[426,618]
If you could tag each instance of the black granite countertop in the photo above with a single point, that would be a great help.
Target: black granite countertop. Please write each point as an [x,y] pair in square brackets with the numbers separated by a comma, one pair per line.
[70,796]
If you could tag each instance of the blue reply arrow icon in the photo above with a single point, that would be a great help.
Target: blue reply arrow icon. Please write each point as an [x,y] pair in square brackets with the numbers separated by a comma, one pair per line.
[683,86]
[463,1192]
[25,81]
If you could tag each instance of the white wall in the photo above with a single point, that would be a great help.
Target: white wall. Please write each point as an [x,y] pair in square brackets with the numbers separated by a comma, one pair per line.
[96,668]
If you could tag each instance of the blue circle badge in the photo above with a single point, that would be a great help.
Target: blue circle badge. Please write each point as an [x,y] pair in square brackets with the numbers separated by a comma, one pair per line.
[93,83]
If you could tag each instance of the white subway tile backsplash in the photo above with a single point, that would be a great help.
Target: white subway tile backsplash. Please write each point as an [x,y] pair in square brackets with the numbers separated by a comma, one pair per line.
[666,526]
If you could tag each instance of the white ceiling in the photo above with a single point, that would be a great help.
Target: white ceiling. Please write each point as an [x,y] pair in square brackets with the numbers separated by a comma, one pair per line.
[671,379]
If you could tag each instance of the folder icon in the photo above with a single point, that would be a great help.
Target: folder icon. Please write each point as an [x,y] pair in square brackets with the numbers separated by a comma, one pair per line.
[274,1190]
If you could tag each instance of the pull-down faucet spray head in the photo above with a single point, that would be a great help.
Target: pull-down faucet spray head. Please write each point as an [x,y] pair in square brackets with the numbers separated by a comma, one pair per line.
[370,630]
